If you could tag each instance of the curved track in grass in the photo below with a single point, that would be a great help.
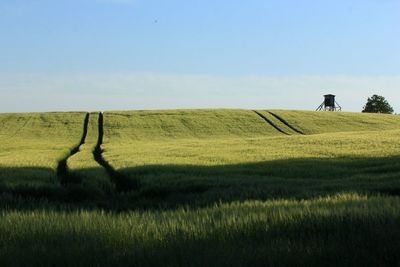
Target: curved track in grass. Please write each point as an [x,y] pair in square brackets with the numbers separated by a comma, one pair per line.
[122,183]
[62,169]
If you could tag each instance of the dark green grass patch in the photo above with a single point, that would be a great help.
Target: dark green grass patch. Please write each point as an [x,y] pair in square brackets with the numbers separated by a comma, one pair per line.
[345,230]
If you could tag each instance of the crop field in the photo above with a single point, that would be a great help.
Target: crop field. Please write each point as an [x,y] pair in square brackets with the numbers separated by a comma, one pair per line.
[84,168]
[208,187]
[32,145]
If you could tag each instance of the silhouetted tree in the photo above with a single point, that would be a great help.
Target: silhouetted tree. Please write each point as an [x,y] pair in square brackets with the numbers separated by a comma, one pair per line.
[378,104]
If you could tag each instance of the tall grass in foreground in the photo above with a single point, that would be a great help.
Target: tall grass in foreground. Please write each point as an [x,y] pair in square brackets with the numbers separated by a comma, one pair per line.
[343,230]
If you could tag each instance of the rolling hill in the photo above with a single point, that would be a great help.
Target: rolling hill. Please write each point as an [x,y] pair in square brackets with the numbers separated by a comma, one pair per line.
[193,187]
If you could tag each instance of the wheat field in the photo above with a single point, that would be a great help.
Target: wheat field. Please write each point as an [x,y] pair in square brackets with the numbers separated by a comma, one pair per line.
[219,187]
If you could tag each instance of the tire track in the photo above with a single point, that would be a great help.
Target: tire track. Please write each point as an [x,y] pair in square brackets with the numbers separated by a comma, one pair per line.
[22,127]
[62,168]
[122,182]
[286,123]
[269,122]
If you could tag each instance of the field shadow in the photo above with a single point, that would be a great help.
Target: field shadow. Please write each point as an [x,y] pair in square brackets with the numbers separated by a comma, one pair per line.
[32,185]
[177,185]
[173,186]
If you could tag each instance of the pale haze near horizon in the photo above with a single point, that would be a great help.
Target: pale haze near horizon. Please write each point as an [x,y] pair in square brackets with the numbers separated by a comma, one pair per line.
[121,54]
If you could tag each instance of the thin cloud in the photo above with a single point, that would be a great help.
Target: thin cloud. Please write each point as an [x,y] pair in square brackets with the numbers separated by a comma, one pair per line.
[99,91]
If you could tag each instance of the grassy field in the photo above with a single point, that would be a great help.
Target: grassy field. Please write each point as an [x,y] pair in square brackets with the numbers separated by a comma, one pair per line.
[344,230]
[83,167]
[199,187]
[248,163]
[32,146]
[310,122]
[183,124]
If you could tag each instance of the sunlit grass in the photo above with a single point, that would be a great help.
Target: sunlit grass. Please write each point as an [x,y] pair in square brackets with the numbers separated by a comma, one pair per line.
[33,144]
[225,151]
[253,164]
[181,124]
[311,122]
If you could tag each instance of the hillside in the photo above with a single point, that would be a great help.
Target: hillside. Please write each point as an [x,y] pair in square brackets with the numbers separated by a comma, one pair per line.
[145,146]
[194,187]
[178,124]
[311,122]
[32,146]
[235,154]
[213,123]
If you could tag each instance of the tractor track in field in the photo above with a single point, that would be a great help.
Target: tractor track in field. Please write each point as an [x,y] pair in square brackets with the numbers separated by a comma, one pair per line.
[22,127]
[62,168]
[122,183]
[270,122]
[286,123]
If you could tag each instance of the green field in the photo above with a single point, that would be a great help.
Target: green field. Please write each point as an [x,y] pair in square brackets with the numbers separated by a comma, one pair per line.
[84,169]
[33,145]
[220,187]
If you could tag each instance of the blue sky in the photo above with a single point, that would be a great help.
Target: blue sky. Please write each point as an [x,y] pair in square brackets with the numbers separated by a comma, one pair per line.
[137,54]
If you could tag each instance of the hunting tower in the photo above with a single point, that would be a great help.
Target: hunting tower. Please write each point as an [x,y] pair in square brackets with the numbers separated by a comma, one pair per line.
[329,104]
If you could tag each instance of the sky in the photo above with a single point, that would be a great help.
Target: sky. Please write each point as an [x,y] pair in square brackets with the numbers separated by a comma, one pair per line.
[161,54]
